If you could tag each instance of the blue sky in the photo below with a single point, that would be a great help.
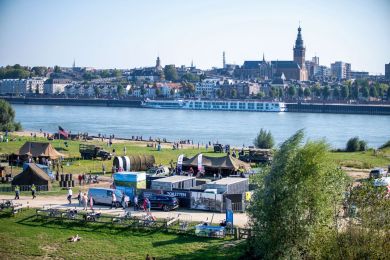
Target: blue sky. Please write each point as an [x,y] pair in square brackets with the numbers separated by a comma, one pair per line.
[127,34]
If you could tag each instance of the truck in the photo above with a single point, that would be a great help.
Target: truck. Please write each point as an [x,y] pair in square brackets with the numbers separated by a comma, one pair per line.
[254,155]
[90,151]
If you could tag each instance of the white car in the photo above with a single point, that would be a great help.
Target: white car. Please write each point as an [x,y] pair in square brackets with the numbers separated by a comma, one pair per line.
[158,171]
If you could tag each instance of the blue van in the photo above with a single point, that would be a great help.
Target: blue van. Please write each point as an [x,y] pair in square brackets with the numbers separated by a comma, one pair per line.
[104,196]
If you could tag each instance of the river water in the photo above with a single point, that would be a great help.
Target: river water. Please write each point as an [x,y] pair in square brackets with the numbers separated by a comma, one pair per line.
[226,127]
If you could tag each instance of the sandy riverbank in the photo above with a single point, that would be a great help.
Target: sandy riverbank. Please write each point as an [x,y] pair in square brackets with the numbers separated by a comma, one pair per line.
[117,140]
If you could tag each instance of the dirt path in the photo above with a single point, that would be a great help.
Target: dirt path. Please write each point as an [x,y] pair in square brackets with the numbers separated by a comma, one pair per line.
[240,219]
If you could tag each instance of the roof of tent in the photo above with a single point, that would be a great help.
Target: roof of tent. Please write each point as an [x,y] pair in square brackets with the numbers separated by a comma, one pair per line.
[36,149]
[226,162]
[32,175]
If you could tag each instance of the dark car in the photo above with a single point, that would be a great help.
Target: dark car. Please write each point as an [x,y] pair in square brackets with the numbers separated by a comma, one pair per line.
[161,201]
[218,148]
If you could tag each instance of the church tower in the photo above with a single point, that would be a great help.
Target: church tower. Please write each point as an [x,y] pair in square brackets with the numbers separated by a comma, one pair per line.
[299,50]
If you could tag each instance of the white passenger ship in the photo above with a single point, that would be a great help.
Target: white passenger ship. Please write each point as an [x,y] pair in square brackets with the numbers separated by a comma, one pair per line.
[228,105]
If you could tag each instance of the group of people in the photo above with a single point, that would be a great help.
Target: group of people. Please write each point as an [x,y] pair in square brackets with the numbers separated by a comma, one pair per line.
[32,188]
[82,199]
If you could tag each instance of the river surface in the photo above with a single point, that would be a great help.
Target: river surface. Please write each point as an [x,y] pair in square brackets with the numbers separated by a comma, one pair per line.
[226,127]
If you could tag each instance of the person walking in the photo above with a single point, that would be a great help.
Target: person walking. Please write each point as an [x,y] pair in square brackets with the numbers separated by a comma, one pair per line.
[113,200]
[148,204]
[80,197]
[17,192]
[33,191]
[123,200]
[91,203]
[85,200]
[135,203]
[103,169]
[70,194]
[80,179]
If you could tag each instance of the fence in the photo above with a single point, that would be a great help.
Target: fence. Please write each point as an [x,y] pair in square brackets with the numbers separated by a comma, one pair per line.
[11,188]
[176,224]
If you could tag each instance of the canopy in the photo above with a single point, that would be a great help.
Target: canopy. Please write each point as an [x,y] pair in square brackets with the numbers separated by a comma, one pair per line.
[36,149]
[227,162]
[32,175]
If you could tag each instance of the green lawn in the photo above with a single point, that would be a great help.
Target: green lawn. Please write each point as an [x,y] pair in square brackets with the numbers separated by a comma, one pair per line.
[77,166]
[24,236]
[362,160]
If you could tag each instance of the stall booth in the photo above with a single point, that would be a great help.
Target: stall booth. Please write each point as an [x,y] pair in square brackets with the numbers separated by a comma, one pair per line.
[130,182]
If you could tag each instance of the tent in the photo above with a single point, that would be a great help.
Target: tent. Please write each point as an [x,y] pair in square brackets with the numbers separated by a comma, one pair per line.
[226,164]
[32,175]
[37,149]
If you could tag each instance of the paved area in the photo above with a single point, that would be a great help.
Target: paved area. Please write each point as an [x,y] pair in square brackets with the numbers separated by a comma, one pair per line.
[240,219]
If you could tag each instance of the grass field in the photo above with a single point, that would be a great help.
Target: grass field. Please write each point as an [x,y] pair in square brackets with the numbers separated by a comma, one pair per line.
[362,160]
[25,237]
[78,166]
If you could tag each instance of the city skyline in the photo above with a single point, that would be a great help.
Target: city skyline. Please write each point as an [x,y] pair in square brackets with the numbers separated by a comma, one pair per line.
[128,34]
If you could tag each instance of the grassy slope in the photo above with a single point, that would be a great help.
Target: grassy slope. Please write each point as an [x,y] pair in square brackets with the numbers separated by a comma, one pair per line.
[24,236]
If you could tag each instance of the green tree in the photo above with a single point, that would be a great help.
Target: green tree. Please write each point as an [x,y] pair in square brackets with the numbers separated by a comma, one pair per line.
[219,93]
[260,95]
[354,144]
[280,92]
[264,140]
[355,91]
[344,92]
[388,93]
[57,69]
[373,92]
[120,90]
[307,92]
[336,93]
[365,91]
[97,91]
[325,92]
[291,91]
[301,92]
[170,73]
[292,210]
[116,73]
[233,93]
[7,117]
[158,92]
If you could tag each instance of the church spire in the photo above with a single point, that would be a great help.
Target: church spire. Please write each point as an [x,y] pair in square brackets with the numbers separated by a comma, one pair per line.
[299,40]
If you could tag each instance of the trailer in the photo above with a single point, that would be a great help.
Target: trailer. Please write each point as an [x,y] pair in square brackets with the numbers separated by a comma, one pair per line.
[229,185]
[174,182]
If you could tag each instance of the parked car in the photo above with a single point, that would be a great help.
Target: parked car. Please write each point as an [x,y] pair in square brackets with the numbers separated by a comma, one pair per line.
[378,173]
[158,171]
[218,148]
[104,196]
[161,201]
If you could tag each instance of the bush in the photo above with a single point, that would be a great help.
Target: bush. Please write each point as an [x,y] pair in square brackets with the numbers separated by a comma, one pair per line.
[264,140]
[355,144]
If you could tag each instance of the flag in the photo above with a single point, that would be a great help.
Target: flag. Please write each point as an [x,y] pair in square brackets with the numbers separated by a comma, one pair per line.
[62,131]
[200,166]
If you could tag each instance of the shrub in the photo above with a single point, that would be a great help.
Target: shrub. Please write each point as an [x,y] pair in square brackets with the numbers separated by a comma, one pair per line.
[264,140]
[355,144]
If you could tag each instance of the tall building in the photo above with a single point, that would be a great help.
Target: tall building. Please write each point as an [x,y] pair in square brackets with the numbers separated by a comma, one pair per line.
[295,69]
[299,50]
[158,64]
[387,71]
[341,70]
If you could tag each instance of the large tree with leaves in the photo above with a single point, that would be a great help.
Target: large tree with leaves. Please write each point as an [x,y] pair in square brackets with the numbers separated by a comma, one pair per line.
[292,210]
[264,139]
[7,117]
